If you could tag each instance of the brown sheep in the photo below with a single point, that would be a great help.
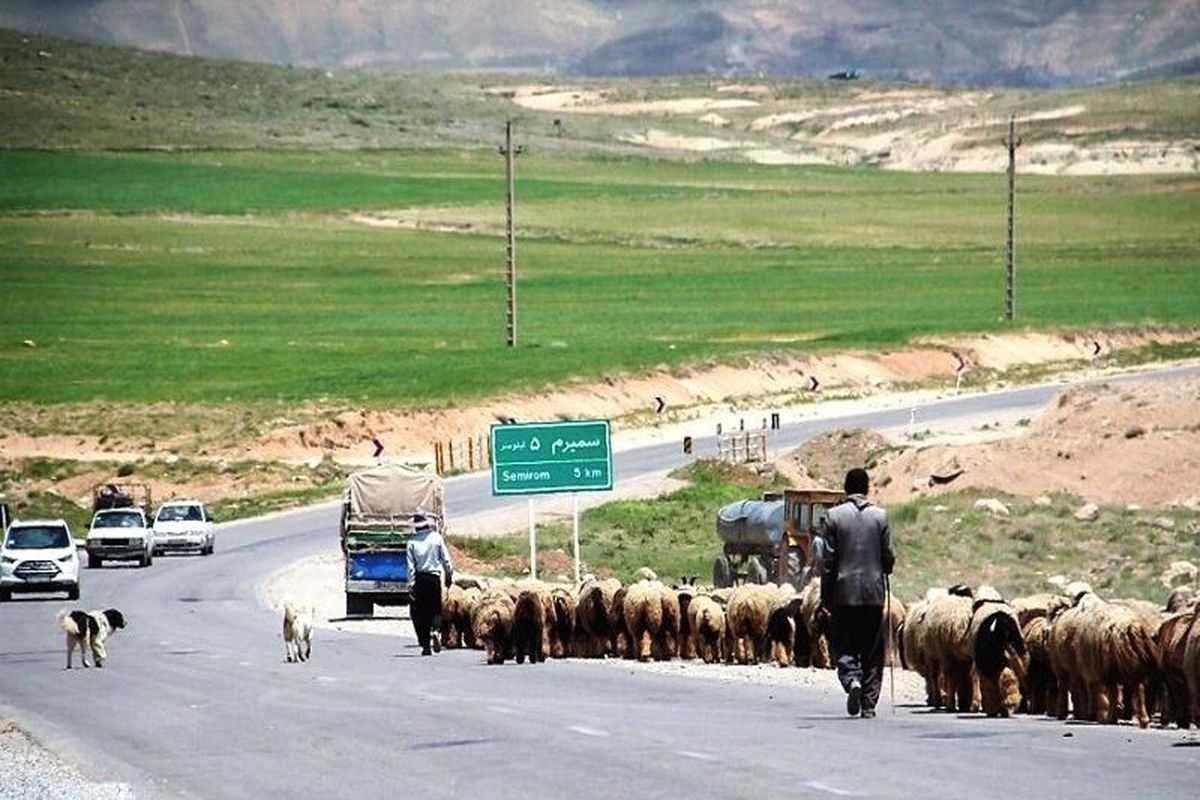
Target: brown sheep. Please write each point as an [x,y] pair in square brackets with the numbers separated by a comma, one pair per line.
[1182,598]
[1039,687]
[1038,605]
[781,625]
[1171,638]
[620,641]
[592,612]
[747,616]
[1116,648]
[915,651]
[642,608]
[949,643]
[1062,646]
[812,629]
[562,624]
[999,652]
[706,624]
[895,612]
[666,644]
[684,594]
[1191,664]
[721,598]
[457,605]
[492,623]
[530,623]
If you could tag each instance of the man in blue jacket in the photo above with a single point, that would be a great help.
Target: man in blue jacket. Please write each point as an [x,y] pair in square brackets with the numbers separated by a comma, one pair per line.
[858,556]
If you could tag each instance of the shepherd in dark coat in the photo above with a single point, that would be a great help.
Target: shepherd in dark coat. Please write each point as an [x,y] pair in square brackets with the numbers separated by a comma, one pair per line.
[858,557]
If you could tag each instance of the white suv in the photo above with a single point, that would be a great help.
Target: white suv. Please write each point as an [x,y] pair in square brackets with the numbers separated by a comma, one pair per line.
[39,556]
[120,534]
[184,525]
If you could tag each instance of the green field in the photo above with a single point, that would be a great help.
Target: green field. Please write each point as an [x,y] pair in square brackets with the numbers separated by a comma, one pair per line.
[190,231]
[241,276]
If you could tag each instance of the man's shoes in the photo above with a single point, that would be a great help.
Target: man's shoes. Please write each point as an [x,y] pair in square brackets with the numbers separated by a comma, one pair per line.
[868,713]
[437,643]
[425,651]
[854,698]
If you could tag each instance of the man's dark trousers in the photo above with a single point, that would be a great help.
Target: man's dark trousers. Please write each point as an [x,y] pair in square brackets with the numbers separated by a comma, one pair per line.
[426,604]
[856,635]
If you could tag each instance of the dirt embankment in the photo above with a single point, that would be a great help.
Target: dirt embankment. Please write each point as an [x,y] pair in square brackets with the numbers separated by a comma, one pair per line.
[1136,445]
[786,378]
[286,455]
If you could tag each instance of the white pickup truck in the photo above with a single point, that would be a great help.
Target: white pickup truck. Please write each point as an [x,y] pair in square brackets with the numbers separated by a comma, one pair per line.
[120,534]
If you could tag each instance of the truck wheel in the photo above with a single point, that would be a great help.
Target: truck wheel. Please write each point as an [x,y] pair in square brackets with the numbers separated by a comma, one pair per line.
[722,572]
[95,562]
[5,595]
[73,593]
[756,572]
[359,606]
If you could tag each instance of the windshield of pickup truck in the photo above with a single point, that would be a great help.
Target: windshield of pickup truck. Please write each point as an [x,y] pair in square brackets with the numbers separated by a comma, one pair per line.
[179,514]
[117,519]
[37,537]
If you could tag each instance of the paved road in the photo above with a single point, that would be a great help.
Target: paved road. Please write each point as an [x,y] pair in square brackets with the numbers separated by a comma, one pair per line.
[197,702]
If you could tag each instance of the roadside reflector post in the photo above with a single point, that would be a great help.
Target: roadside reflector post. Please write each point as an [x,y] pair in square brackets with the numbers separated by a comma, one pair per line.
[774,420]
[687,445]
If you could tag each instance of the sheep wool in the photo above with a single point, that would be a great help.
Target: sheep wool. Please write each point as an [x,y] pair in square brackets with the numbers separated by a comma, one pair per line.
[492,623]
[1172,638]
[643,613]
[706,623]
[950,647]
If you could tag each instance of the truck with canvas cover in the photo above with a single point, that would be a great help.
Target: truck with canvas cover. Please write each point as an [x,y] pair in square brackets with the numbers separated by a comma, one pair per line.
[382,508]
[771,539]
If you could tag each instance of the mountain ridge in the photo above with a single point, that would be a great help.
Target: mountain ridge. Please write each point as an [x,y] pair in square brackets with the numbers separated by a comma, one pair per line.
[1023,42]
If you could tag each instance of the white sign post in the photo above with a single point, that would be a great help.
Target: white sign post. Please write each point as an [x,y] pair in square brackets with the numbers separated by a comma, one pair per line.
[532,543]
[575,532]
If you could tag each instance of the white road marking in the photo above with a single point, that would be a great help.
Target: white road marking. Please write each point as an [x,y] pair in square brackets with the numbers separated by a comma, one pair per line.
[824,787]
[501,710]
[326,679]
[584,731]
[696,755]
[244,664]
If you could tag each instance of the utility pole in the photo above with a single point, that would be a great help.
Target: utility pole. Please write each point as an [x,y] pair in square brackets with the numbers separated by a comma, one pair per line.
[1010,248]
[510,274]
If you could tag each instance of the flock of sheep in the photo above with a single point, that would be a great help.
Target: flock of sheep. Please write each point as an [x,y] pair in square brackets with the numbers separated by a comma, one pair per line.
[1057,654]
[645,620]
[1047,653]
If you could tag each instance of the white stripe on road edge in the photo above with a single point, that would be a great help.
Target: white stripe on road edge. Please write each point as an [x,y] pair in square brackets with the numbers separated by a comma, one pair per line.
[824,787]
[696,755]
[587,731]
[326,679]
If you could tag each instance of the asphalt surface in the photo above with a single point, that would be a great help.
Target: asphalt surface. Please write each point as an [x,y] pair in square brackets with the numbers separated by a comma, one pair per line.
[196,700]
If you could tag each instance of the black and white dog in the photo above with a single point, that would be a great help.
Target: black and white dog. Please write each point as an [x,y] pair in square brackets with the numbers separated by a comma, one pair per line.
[88,631]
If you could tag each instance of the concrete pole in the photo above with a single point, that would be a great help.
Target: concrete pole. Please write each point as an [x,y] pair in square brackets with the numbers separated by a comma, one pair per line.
[1010,249]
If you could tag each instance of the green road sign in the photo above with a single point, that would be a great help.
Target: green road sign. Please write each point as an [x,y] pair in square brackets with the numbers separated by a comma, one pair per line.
[548,457]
